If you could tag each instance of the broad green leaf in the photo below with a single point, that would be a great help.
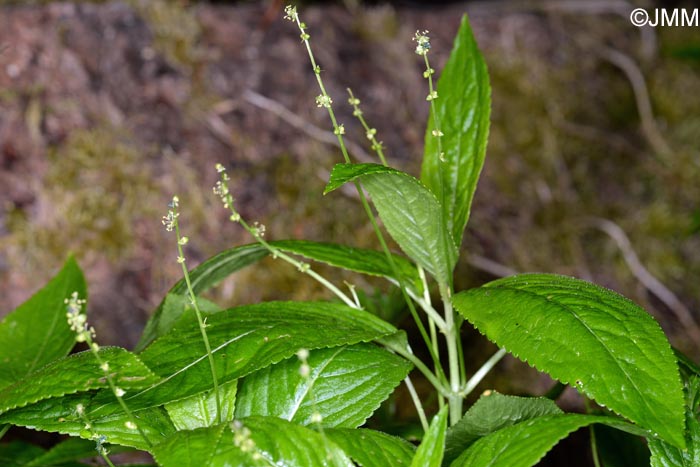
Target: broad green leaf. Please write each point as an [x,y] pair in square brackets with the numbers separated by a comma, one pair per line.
[588,336]
[204,276]
[213,270]
[107,418]
[432,448]
[254,442]
[370,448]
[247,338]
[345,386]
[525,443]
[491,413]
[353,259]
[462,109]
[77,373]
[665,455]
[37,332]
[410,212]
[199,411]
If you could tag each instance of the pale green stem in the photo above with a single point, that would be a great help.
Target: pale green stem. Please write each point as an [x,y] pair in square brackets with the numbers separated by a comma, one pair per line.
[300,265]
[4,429]
[482,372]
[451,336]
[200,321]
[418,363]
[429,305]
[417,403]
[363,199]
[113,387]
[101,450]
[376,145]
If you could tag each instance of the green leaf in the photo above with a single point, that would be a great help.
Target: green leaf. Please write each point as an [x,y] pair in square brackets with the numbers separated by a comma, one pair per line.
[410,212]
[37,332]
[585,335]
[432,448]
[216,268]
[462,110]
[665,455]
[199,411]
[77,373]
[257,441]
[247,338]
[525,443]
[204,276]
[346,385]
[353,259]
[370,448]
[491,413]
[107,418]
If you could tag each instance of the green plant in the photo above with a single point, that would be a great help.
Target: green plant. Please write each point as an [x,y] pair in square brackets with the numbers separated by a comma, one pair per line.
[290,383]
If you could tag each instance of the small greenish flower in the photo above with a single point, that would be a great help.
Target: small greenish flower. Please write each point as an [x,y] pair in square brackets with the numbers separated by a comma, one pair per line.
[290,13]
[432,96]
[183,241]
[323,101]
[354,101]
[422,42]
[370,133]
[316,417]
[437,133]
[340,130]
[119,392]
[181,259]
[130,425]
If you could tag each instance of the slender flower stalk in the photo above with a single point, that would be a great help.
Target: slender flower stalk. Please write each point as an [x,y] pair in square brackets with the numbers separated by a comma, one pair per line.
[324,100]
[369,132]
[99,439]
[85,333]
[257,230]
[171,223]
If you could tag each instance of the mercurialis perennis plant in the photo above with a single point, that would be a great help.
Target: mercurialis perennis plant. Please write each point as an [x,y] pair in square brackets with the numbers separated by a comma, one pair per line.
[293,383]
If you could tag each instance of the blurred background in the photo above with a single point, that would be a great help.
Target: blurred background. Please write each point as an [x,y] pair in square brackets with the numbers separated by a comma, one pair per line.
[109,108]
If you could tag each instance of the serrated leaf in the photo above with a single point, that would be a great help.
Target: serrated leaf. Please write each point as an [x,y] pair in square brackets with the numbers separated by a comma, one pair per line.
[585,335]
[204,276]
[462,109]
[247,338]
[345,386]
[525,443]
[77,373]
[354,259]
[37,332]
[199,411]
[369,448]
[410,212]
[666,455]
[216,268]
[491,413]
[107,418]
[432,448]
[258,441]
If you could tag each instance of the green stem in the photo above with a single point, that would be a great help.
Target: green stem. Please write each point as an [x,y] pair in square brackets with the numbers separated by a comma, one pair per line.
[112,385]
[417,403]
[200,321]
[451,336]
[481,372]
[376,145]
[4,429]
[418,363]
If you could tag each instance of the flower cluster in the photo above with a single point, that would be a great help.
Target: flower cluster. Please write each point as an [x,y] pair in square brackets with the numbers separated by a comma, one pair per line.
[243,441]
[77,320]
[422,42]
[170,220]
